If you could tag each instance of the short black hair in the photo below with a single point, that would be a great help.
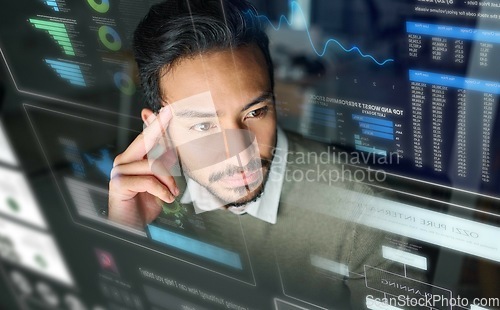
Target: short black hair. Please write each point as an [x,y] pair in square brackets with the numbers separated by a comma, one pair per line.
[175,29]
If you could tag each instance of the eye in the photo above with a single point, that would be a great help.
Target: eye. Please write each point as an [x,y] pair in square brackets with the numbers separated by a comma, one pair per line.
[202,127]
[259,113]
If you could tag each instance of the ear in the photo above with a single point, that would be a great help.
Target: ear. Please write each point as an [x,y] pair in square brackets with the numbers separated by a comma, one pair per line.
[145,114]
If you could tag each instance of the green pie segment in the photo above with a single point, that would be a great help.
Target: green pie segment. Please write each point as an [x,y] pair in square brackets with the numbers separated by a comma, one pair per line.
[171,208]
[40,260]
[101,6]
[13,205]
[110,38]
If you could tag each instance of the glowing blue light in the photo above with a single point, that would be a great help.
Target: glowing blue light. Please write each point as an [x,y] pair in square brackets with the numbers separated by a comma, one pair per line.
[295,6]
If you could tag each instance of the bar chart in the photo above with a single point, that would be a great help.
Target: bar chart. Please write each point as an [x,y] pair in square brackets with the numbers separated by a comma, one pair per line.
[57,31]
[52,4]
[318,122]
[67,71]
[372,128]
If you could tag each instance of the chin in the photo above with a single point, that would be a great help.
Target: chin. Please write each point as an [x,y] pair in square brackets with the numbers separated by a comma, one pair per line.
[240,195]
[244,196]
[250,197]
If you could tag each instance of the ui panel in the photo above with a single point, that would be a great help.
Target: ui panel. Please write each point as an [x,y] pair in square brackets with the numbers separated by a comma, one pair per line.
[391,198]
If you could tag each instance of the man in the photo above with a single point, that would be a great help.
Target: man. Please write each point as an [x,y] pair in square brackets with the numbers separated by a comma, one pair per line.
[207,74]
[227,61]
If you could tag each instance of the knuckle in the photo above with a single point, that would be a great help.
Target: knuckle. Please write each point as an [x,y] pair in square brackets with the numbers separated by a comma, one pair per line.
[171,181]
[117,160]
[114,172]
[150,181]
[113,185]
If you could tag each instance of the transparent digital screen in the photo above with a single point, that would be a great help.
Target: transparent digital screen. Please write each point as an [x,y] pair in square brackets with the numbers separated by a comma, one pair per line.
[363,173]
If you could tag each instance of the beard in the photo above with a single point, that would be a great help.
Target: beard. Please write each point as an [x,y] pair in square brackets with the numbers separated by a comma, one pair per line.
[245,193]
[241,195]
[252,196]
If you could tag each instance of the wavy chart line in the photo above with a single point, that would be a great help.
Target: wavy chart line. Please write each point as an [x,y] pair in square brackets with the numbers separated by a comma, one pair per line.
[296,6]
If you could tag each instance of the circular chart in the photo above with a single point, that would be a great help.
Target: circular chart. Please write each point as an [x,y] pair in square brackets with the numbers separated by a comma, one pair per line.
[13,205]
[172,208]
[101,6]
[124,83]
[110,38]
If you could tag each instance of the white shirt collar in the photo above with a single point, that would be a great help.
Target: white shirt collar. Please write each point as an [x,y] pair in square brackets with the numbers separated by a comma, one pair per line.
[264,208]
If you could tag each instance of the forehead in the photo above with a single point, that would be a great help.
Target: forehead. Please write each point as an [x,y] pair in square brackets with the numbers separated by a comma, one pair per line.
[232,76]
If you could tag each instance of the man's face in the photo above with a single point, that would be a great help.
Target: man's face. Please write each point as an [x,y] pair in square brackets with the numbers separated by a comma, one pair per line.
[224,121]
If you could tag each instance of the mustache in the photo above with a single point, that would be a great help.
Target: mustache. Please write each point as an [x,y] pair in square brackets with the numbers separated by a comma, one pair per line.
[252,165]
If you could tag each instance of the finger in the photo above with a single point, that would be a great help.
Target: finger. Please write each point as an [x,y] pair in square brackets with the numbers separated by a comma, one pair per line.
[127,187]
[125,213]
[152,207]
[142,167]
[137,212]
[147,139]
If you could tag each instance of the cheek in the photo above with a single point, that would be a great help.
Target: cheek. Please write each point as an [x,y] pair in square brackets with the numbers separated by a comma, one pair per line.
[266,137]
[202,175]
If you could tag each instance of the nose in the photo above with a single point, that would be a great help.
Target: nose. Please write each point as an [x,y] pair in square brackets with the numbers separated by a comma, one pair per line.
[240,143]
[236,146]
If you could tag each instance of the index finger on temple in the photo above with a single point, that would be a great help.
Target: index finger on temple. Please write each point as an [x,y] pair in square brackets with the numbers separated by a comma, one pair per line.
[156,129]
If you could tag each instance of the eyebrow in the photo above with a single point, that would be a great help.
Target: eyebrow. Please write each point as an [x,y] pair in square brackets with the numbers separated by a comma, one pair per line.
[267,95]
[193,114]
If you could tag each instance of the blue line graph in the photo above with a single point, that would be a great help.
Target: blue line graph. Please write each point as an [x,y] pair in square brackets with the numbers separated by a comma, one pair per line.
[296,6]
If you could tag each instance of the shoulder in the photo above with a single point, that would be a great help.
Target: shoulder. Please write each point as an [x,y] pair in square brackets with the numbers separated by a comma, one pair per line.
[316,180]
[314,164]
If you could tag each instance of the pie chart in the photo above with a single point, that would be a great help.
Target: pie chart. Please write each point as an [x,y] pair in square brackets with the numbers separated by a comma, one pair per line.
[124,83]
[101,6]
[110,38]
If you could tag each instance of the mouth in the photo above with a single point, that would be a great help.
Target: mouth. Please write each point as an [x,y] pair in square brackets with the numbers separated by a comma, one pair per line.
[241,179]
